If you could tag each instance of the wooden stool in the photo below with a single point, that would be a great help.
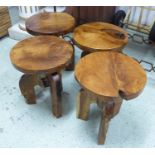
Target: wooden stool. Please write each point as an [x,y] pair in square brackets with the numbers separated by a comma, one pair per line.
[99,36]
[57,24]
[42,58]
[107,78]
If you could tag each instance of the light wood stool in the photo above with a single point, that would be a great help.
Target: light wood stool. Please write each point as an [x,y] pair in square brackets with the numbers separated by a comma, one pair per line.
[107,78]
[41,59]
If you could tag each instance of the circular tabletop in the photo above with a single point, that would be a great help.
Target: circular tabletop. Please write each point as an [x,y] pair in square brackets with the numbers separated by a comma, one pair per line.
[100,36]
[110,74]
[50,24]
[41,54]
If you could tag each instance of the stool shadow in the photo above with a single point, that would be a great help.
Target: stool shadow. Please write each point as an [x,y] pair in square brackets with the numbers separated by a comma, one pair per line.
[67,103]
[44,97]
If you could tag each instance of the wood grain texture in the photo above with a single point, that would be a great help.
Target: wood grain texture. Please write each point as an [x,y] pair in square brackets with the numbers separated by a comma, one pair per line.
[107,112]
[41,54]
[110,74]
[5,20]
[27,84]
[100,36]
[50,24]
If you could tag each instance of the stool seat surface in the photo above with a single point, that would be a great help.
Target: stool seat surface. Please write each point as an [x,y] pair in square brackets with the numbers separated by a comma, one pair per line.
[110,74]
[100,36]
[41,54]
[50,23]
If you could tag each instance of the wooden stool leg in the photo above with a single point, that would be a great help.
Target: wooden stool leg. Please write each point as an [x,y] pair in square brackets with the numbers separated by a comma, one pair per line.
[117,105]
[83,105]
[110,110]
[106,116]
[26,84]
[70,66]
[56,92]
[103,129]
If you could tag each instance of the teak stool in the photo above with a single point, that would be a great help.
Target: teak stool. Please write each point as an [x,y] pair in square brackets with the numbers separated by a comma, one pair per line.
[57,24]
[99,36]
[42,58]
[107,78]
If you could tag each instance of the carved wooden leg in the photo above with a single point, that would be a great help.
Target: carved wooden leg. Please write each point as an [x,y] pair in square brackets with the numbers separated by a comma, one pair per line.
[26,84]
[56,92]
[110,110]
[70,66]
[103,129]
[107,113]
[83,105]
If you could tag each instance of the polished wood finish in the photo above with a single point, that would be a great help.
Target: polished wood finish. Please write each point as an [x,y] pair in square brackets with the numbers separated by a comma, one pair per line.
[115,74]
[42,58]
[83,105]
[41,54]
[107,78]
[50,24]
[56,93]
[100,36]
[105,117]
[54,81]
[27,84]
[109,108]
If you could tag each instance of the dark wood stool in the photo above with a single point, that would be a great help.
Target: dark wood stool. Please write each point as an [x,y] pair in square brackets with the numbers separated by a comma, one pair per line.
[42,58]
[99,36]
[57,24]
[107,78]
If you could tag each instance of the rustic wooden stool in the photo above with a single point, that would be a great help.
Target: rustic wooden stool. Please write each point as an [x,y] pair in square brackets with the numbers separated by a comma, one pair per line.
[99,36]
[107,78]
[57,24]
[42,58]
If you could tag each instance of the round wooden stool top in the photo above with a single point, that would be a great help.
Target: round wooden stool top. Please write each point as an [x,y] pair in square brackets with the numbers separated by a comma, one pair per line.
[50,24]
[100,36]
[41,54]
[110,74]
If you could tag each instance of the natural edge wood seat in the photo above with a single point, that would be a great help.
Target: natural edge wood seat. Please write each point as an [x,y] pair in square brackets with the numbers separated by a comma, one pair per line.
[107,78]
[100,36]
[42,58]
[50,24]
[41,54]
